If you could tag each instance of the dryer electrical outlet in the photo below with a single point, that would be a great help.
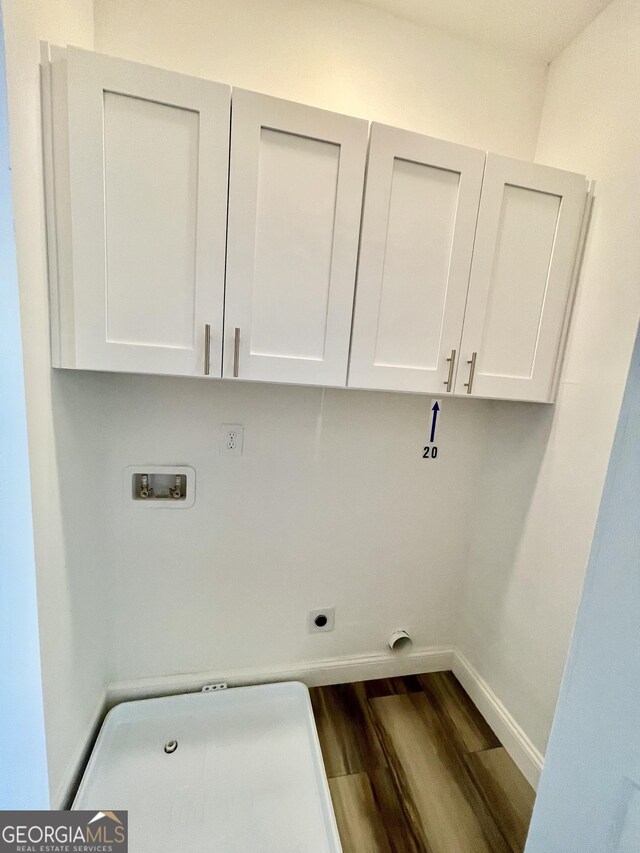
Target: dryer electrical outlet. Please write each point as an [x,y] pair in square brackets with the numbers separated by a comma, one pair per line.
[321,620]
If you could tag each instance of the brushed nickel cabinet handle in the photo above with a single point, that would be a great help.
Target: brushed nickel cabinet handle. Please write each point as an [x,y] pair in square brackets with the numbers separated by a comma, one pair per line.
[236,352]
[207,349]
[452,362]
[472,372]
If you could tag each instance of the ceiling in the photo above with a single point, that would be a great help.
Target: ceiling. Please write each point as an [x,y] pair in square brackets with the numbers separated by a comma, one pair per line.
[539,28]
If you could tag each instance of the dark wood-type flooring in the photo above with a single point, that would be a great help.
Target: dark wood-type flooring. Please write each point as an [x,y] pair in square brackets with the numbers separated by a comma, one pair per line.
[413,766]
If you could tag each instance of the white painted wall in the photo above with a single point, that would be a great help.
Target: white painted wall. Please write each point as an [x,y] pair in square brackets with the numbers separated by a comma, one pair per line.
[62,415]
[545,468]
[331,504]
[589,795]
[341,56]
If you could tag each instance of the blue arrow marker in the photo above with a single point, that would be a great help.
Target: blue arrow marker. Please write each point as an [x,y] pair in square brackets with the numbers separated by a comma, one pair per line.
[435,410]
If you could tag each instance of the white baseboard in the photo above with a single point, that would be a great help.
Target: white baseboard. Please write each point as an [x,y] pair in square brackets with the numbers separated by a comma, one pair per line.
[529,759]
[330,671]
[313,673]
[60,797]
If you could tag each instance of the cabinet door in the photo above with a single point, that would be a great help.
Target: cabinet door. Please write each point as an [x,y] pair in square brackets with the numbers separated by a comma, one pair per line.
[521,279]
[419,219]
[295,196]
[146,171]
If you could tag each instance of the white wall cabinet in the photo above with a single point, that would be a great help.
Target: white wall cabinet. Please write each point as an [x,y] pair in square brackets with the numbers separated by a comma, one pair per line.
[525,248]
[139,161]
[419,220]
[464,282]
[295,197]
[182,244]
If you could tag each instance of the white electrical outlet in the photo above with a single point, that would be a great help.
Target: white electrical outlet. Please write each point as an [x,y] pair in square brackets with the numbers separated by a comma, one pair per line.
[322,619]
[231,438]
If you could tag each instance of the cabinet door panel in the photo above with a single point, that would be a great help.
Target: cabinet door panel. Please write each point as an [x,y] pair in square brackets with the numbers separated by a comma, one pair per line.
[293,251]
[526,242]
[295,196]
[147,165]
[421,203]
